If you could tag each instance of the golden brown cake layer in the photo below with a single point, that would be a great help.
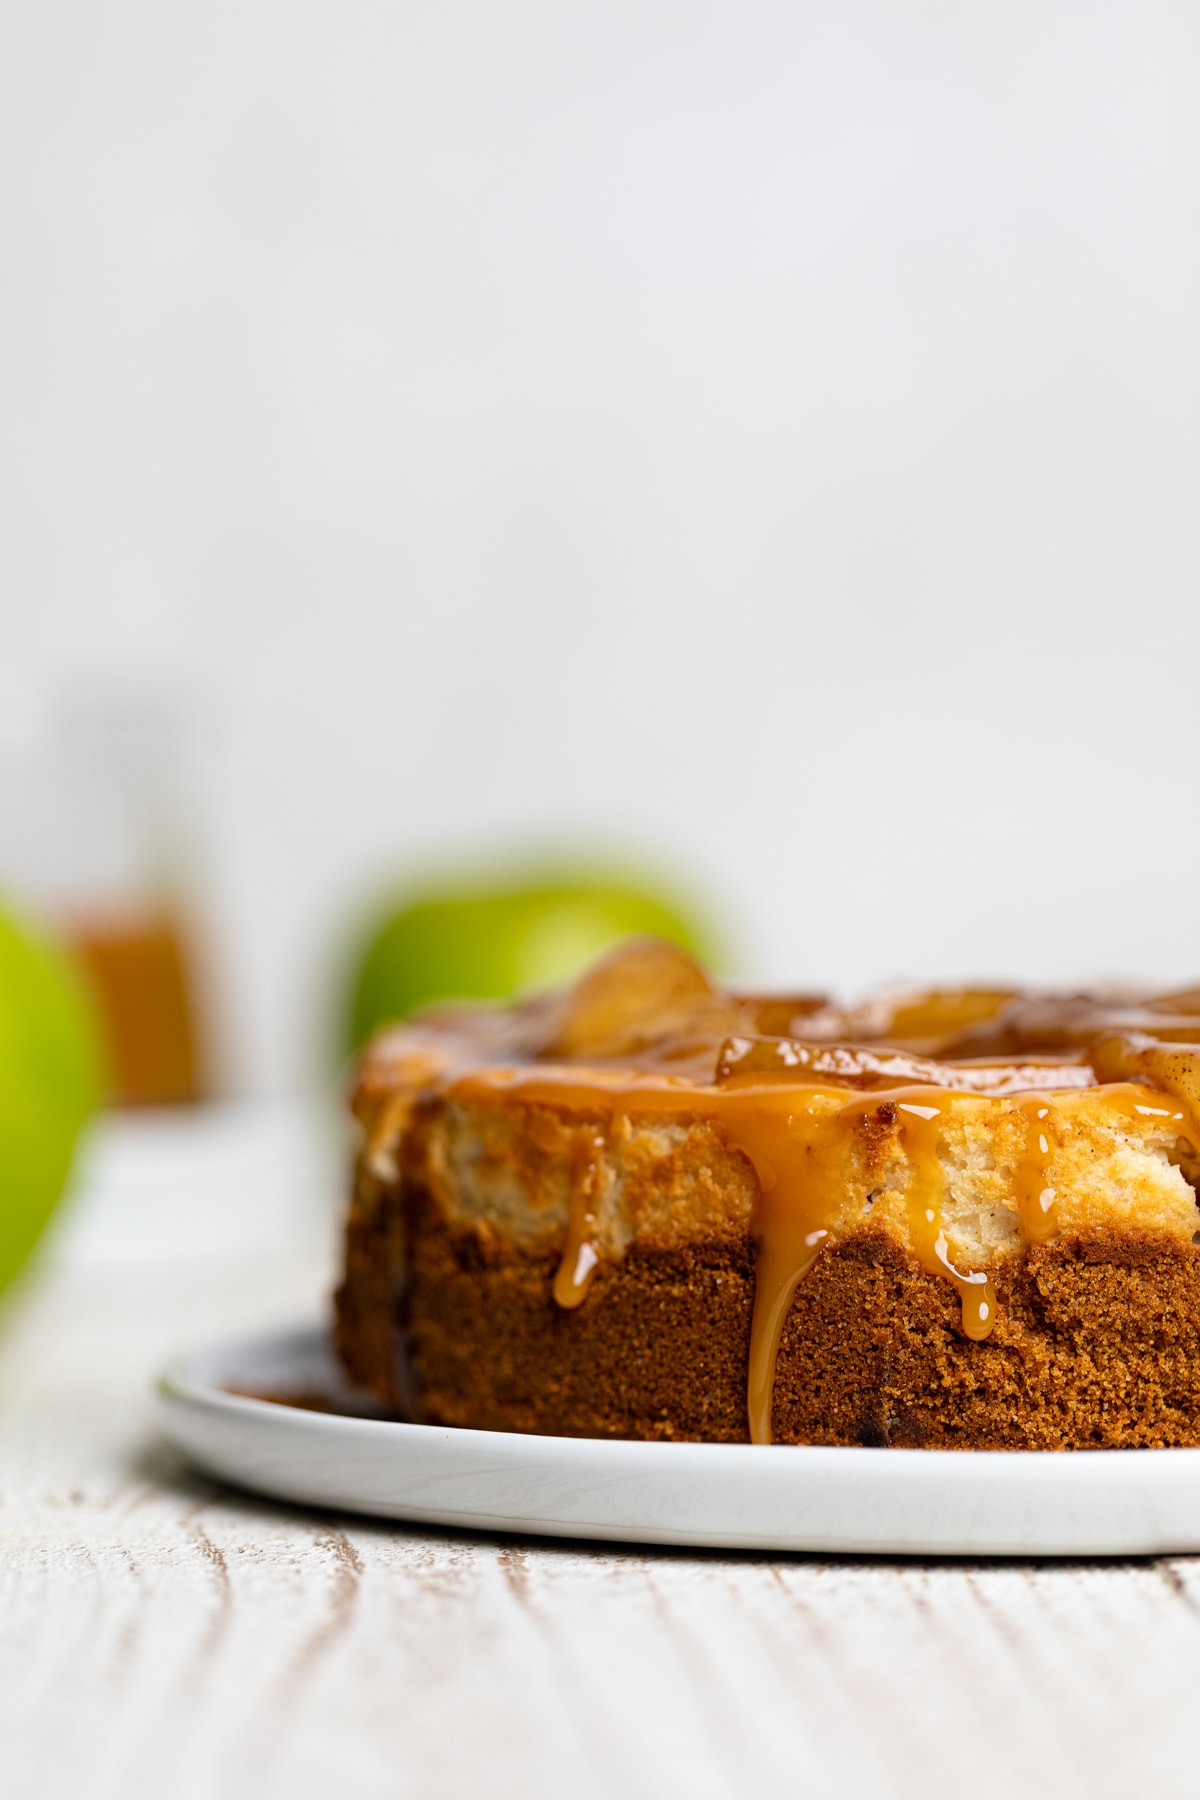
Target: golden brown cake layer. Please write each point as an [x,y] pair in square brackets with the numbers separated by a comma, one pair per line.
[648,1216]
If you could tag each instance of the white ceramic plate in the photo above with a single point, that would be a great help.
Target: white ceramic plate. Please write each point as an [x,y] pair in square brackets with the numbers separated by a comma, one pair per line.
[916,1502]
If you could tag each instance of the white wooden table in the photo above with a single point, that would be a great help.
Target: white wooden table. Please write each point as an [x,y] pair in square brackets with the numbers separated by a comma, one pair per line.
[162,1636]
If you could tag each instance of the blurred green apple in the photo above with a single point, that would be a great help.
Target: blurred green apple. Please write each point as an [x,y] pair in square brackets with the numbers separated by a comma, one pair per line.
[472,942]
[49,1083]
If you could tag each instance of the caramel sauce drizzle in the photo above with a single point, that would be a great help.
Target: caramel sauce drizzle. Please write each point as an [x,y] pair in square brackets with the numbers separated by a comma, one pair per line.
[797,1139]
[800,1158]
[1036,1200]
[792,1106]
[921,1114]
[580,1257]
[797,1152]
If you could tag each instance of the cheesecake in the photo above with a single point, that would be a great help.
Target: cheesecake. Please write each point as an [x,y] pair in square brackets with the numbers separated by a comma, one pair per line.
[655,1207]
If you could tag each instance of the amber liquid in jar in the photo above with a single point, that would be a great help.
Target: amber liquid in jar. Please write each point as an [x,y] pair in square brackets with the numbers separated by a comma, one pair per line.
[141,975]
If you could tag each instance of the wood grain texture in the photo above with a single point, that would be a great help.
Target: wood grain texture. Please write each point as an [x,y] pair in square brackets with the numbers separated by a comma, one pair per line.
[161,1636]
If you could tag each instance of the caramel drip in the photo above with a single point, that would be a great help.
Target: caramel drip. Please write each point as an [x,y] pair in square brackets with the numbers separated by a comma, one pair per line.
[797,1150]
[1031,1188]
[920,1112]
[799,1140]
[801,1151]
[580,1257]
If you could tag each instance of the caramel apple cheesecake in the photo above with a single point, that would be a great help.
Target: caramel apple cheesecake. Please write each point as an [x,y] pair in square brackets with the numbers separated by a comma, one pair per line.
[652,1207]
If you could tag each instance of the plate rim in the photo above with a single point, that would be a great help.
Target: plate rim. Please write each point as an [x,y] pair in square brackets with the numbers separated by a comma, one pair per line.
[1148,1497]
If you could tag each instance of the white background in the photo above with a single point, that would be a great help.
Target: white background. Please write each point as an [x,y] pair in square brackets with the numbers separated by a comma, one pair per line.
[765,438]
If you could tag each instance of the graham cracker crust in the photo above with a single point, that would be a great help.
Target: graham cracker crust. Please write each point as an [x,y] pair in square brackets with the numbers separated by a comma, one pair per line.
[1097,1343]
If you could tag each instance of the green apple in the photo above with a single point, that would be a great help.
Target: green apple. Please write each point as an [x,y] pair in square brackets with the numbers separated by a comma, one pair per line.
[49,1083]
[490,942]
